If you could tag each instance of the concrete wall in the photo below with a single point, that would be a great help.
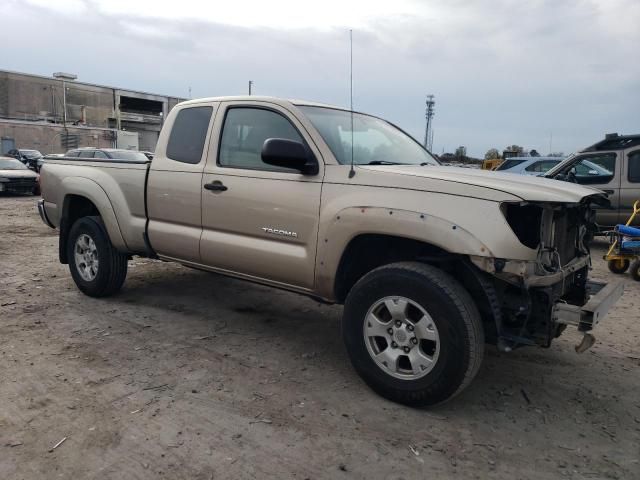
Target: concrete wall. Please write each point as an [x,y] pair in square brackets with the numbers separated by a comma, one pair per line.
[31,112]
[48,138]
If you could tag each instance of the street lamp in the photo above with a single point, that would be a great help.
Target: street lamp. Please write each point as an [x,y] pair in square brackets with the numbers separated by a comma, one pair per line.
[64,77]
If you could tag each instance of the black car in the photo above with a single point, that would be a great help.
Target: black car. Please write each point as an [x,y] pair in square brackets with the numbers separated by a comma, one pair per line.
[15,177]
[31,158]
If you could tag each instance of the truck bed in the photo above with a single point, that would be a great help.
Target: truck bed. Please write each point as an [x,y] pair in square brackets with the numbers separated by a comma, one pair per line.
[114,186]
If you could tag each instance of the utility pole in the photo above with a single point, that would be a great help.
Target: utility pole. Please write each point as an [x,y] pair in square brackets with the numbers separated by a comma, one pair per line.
[428,131]
[250,85]
[64,77]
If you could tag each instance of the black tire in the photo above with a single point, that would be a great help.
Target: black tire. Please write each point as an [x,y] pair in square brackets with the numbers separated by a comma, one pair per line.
[618,266]
[112,265]
[456,317]
[635,270]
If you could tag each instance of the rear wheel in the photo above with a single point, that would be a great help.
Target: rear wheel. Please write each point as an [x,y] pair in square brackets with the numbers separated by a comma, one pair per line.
[413,333]
[97,268]
[618,265]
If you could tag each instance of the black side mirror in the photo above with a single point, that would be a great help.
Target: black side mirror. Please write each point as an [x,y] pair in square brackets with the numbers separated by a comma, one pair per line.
[289,154]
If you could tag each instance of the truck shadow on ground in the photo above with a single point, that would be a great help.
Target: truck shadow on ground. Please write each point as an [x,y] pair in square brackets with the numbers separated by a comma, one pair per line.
[193,304]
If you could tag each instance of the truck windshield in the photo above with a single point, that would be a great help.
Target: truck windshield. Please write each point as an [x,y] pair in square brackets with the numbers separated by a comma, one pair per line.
[375,141]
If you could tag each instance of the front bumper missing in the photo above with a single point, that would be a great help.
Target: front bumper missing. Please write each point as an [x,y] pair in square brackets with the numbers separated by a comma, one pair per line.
[526,273]
[603,297]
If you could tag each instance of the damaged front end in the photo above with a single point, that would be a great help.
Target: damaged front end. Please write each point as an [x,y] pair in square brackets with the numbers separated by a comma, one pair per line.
[535,300]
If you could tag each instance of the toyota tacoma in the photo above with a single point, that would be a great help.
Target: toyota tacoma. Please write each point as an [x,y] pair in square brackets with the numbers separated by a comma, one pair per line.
[430,262]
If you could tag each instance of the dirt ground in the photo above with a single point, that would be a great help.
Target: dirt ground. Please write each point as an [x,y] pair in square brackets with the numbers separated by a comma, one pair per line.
[186,374]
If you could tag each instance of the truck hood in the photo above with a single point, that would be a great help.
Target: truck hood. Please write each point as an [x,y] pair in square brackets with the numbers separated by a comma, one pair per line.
[526,187]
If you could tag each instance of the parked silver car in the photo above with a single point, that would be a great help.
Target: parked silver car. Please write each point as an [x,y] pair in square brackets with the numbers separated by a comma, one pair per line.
[536,166]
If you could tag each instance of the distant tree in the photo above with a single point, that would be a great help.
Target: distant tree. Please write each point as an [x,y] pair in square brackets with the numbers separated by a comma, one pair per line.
[491,154]
[515,148]
[534,153]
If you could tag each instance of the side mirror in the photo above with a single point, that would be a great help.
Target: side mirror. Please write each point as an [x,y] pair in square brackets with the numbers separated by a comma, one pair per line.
[289,154]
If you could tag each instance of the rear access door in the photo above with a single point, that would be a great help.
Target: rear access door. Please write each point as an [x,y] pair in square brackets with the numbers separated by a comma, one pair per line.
[174,186]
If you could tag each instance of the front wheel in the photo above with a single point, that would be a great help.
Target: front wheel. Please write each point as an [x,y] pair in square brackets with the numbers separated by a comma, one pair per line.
[413,333]
[97,268]
[618,265]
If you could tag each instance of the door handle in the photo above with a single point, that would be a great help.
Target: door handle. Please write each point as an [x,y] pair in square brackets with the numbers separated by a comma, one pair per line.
[611,192]
[216,186]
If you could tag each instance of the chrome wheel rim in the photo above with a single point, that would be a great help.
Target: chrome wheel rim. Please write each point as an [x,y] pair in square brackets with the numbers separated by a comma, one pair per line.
[401,338]
[86,257]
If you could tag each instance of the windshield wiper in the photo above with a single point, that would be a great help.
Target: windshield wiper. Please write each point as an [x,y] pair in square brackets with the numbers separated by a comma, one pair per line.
[381,162]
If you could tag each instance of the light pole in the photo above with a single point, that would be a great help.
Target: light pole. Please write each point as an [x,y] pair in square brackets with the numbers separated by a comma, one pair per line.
[250,85]
[64,77]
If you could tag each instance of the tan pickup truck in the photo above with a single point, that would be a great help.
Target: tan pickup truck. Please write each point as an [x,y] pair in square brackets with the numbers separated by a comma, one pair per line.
[430,262]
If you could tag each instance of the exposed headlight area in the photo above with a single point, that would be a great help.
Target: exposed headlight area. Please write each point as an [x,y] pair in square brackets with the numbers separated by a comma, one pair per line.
[559,232]
[524,220]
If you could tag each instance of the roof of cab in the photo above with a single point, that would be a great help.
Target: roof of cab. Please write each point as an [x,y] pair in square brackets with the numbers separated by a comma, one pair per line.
[614,141]
[256,98]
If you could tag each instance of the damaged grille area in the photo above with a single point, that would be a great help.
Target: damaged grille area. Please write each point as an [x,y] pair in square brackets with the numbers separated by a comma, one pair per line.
[565,235]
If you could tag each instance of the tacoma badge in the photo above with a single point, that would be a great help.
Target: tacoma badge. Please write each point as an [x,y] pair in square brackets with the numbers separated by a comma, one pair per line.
[277,231]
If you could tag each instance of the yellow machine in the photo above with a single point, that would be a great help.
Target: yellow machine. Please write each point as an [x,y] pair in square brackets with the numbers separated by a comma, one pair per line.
[625,247]
[491,164]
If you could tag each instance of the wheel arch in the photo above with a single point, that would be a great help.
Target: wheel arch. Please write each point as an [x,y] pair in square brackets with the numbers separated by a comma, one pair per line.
[85,197]
[373,232]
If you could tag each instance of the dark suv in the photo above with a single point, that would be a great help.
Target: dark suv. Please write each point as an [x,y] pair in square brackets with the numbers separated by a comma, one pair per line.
[31,158]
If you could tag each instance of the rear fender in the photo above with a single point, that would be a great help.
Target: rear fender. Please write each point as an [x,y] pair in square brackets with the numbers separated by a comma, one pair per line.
[93,192]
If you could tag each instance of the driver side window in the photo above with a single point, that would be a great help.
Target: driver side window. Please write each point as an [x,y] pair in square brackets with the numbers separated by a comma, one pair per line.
[595,169]
[244,133]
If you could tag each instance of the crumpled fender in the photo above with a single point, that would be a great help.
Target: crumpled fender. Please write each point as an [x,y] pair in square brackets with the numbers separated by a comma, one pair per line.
[92,191]
[354,221]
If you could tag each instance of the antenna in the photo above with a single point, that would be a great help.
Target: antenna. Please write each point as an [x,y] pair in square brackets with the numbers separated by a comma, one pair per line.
[352,172]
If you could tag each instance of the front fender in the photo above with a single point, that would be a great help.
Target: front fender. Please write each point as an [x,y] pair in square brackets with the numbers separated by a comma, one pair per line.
[92,191]
[354,221]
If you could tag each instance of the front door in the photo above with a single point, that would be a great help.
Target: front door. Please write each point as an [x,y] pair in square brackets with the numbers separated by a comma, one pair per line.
[630,185]
[259,220]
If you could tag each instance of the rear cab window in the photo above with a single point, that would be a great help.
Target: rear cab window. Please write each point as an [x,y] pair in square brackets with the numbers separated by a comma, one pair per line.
[188,134]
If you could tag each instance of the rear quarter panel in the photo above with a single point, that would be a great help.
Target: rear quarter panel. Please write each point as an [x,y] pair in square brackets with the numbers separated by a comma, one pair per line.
[117,190]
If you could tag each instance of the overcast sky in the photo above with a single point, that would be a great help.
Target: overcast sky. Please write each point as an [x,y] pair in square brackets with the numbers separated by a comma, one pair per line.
[502,71]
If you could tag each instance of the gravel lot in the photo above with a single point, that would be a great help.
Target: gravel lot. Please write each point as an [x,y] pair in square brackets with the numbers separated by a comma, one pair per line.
[186,374]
